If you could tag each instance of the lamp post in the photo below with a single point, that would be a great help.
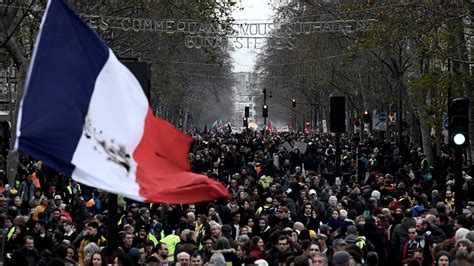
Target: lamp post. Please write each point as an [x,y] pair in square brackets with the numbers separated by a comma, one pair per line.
[264,106]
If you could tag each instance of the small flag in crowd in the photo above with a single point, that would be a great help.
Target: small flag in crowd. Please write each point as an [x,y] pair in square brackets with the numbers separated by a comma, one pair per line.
[216,125]
[85,114]
[270,127]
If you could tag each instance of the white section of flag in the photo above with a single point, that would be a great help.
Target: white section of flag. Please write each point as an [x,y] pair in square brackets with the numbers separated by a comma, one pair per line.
[115,123]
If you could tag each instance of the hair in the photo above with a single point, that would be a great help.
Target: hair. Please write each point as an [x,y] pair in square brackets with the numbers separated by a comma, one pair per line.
[59,236]
[302,260]
[151,260]
[244,238]
[372,258]
[440,254]
[190,235]
[41,222]
[124,259]
[411,262]
[254,241]
[322,255]
[443,217]
[217,259]
[91,248]
[430,218]
[28,237]
[461,256]
[290,260]
[104,260]
[214,224]
[73,249]
[463,221]
[465,242]
[221,244]
[245,247]
[356,253]
[305,244]
[196,254]
[284,237]
[461,233]
[93,224]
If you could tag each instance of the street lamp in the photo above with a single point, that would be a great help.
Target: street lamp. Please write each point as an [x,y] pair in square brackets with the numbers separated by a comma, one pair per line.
[265,108]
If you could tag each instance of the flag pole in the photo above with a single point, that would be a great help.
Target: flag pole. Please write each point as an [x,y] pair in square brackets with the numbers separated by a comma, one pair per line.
[112,239]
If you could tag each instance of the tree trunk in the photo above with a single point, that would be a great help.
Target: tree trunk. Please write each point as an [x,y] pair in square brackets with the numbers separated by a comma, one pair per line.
[185,118]
[22,63]
[467,86]
[426,140]
[415,132]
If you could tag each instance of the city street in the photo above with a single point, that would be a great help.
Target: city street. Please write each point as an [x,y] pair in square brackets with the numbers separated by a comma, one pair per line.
[223,132]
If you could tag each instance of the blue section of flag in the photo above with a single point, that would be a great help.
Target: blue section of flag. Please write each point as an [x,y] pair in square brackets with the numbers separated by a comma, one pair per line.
[67,60]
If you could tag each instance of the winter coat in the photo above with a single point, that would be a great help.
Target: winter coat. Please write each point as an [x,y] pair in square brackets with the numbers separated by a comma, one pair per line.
[24,257]
[400,234]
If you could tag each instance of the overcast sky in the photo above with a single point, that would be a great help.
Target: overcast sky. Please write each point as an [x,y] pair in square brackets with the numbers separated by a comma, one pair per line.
[254,11]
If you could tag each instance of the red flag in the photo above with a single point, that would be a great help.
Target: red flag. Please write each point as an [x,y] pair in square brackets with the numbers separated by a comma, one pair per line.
[308,129]
[270,127]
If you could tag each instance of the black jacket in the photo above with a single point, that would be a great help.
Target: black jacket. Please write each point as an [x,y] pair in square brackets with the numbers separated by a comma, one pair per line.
[24,257]
[400,234]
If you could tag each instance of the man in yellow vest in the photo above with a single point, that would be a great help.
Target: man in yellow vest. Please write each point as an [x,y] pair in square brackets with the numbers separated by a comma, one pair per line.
[170,240]
[71,191]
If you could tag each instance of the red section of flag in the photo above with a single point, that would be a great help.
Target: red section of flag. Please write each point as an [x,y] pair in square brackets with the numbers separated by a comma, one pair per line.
[162,158]
[168,142]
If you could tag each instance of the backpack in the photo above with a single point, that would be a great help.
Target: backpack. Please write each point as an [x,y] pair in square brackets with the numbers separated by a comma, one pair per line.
[364,244]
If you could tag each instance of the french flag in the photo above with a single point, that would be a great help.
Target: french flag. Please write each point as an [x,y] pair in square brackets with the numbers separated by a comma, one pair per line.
[85,114]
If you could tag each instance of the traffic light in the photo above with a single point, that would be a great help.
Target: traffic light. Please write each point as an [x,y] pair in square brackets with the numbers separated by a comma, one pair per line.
[293,102]
[246,122]
[247,111]
[265,110]
[366,116]
[458,117]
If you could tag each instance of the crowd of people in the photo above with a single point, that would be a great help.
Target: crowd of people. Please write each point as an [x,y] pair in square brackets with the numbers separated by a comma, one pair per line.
[291,205]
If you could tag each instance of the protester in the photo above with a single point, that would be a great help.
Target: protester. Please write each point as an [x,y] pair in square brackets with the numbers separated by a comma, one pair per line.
[384,211]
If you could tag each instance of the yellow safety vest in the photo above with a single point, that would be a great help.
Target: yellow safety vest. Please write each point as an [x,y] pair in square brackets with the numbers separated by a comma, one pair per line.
[361,242]
[120,221]
[153,239]
[11,232]
[171,241]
